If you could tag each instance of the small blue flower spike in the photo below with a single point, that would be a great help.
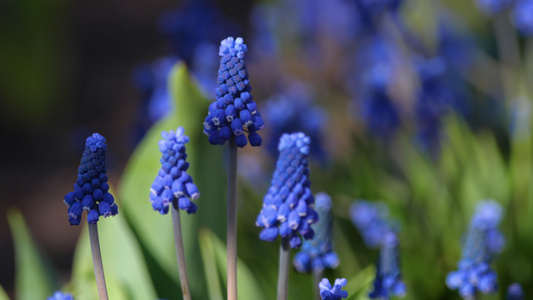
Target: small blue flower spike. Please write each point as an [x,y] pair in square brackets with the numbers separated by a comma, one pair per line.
[288,205]
[317,254]
[388,281]
[493,7]
[60,296]
[335,292]
[173,184]
[515,292]
[91,191]
[482,243]
[371,221]
[234,112]
[523,17]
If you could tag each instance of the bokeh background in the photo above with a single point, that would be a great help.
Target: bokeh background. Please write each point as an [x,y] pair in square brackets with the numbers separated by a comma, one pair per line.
[424,105]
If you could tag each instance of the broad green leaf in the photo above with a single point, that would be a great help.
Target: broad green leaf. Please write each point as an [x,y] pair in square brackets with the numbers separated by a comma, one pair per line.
[360,284]
[212,278]
[125,270]
[33,278]
[3,294]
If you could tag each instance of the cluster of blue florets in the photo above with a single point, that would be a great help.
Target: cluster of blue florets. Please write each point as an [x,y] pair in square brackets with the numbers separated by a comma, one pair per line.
[523,17]
[317,253]
[371,221]
[288,205]
[335,292]
[91,191]
[482,243]
[515,292]
[388,281]
[234,111]
[173,184]
[60,296]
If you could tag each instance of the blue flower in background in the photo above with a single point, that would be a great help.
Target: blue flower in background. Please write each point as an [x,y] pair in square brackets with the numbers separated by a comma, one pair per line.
[173,185]
[335,292]
[515,292]
[292,111]
[204,65]
[234,111]
[91,191]
[388,281]
[288,205]
[60,296]
[317,254]
[493,7]
[371,221]
[523,17]
[482,243]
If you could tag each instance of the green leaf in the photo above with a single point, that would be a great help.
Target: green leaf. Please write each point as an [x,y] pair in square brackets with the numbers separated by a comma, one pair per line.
[125,271]
[3,294]
[211,276]
[33,280]
[359,285]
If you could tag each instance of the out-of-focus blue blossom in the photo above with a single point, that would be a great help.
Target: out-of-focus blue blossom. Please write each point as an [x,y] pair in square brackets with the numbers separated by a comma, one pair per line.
[234,112]
[193,23]
[388,281]
[91,191]
[335,292]
[493,7]
[60,296]
[288,205]
[173,185]
[371,221]
[317,254]
[204,66]
[523,17]
[515,292]
[455,46]
[482,243]
[293,111]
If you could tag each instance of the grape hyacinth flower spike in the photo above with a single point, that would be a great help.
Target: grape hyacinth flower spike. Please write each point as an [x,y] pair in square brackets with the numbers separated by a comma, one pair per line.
[483,241]
[335,292]
[60,296]
[317,254]
[515,292]
[174,188]
[91,193]
[371,221]
[388,281]
[288,205]
[233,115]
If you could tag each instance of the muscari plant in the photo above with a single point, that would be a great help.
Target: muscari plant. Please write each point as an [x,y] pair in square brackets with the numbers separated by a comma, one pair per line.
[335,292]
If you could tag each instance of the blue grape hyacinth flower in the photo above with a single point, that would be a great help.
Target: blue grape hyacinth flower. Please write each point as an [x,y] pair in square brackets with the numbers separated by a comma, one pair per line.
[388,281]
[483,241]
[234,112]
[371,221]
[335,292]
[523,17]
[288,205]
[173,185]
[60,296]
[317,254]
[91,191]
[515,292]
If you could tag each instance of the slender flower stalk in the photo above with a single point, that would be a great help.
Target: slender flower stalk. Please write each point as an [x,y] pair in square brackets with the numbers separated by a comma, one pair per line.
[173,187]
[91,193]
[233,114]
[283,274]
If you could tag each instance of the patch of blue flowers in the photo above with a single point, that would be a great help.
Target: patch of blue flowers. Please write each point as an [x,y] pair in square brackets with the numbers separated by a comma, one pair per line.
[173,185]
[335,292]
[522,16]
[91,190]
[288,205]
[388,281]
[371,221]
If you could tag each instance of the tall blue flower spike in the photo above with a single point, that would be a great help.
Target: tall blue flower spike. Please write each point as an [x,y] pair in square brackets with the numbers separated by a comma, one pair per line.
[173,184]
[493,7]
[388,281]
[288,205]
[317,254]
[335,292]
[523,17]
[91,191]
[234,111]
[483,241]
[60,296]
[515,292]
[371,221]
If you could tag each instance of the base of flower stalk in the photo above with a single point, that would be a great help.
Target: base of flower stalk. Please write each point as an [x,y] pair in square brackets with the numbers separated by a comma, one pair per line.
[231,237]
[317,277]
[97,262]
[180,253]
[283,275]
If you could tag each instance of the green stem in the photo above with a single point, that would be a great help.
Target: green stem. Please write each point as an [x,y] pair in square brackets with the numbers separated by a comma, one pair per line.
[283,275]
[317,277]
[180,253]
[97,261]
[232,219]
